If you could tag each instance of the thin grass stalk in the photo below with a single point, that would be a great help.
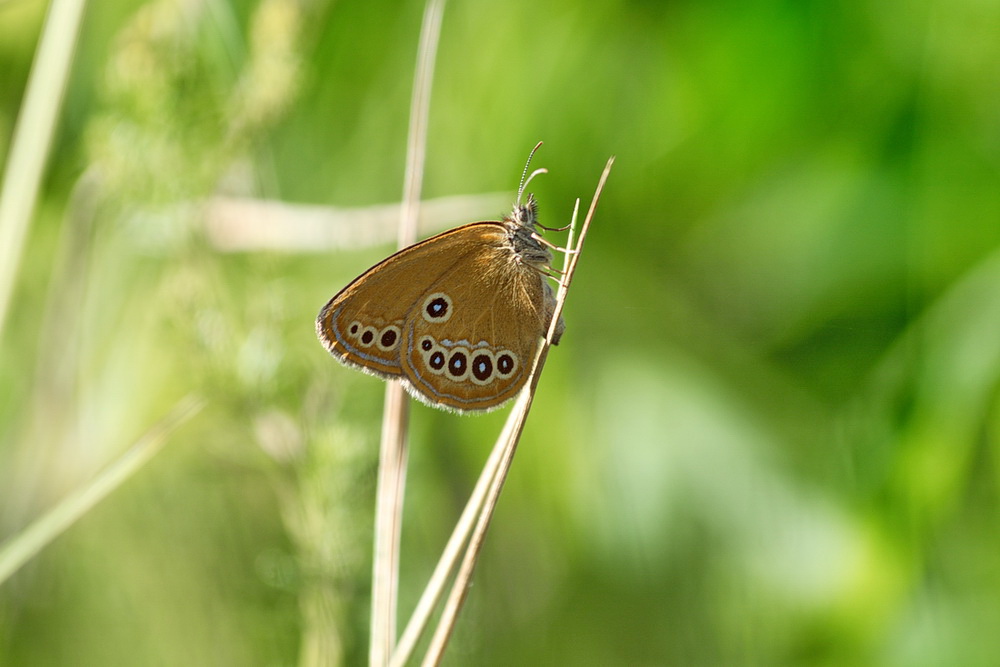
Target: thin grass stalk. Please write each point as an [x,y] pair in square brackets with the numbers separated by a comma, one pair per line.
[388,523]
[393,452]
[512,431]
[460,535]
[459,590]
[459,538]
[32,139]
[449,559]
[486,483]
[26,544]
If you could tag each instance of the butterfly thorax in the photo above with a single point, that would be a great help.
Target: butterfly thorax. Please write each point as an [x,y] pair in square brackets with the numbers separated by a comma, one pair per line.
[523,238]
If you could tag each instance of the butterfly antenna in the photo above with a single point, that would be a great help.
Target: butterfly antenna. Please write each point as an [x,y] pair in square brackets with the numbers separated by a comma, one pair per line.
[525,179]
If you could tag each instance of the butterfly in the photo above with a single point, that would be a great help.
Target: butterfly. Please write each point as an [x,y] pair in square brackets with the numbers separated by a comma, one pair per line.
[456,318]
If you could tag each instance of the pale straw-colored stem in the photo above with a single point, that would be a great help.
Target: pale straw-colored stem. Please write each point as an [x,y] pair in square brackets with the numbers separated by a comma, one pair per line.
[449,557]
[503,453]
[392,455]
[388,524]
[244,224]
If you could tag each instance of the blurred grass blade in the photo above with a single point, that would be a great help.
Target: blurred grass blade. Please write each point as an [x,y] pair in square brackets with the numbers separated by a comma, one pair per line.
[36,123]
[21,548]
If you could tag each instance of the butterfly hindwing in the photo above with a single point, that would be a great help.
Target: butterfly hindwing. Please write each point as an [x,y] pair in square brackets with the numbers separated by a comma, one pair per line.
[470,340]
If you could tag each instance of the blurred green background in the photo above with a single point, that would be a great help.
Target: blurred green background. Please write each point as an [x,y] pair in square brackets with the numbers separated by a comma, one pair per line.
[769,436]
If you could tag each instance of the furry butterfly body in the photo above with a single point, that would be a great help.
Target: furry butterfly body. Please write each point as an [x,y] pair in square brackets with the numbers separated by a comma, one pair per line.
[457,318]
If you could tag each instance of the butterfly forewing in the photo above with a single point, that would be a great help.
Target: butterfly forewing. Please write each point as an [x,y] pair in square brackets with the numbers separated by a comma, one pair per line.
[362,325]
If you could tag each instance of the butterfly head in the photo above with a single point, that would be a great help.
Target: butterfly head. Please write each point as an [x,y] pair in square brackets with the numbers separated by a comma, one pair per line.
[521,224]
[525,214]
[524,240]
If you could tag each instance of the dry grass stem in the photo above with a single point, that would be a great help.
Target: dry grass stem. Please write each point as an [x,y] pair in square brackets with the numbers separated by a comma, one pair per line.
[482,503]
[449,558]
[392,455]
[243,224]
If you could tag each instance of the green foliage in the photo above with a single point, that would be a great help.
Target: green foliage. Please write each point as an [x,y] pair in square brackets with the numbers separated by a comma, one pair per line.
[768,436]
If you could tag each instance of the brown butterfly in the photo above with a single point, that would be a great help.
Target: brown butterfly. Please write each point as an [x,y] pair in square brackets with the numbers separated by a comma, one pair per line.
[456,318]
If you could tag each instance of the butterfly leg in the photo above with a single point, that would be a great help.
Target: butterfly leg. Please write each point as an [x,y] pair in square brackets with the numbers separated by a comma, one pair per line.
[544,241]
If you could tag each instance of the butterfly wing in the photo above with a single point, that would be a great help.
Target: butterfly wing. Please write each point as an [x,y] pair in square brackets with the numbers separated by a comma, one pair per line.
[361,326]
[470,340]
